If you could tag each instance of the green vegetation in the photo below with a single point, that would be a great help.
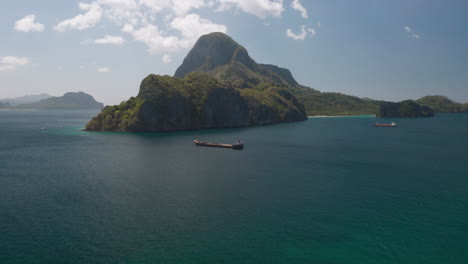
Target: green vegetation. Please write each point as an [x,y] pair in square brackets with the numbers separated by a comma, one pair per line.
[442,104]
[219,85]
[197,101]
[221,57]
[406,108]
[120,117]
[276,98]
[317,103]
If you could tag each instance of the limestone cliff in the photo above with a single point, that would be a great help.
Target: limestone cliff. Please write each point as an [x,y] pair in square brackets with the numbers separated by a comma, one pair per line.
[197,101]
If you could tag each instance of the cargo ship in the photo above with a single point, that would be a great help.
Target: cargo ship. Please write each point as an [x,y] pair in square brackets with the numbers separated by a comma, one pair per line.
[386,125]
[236,145]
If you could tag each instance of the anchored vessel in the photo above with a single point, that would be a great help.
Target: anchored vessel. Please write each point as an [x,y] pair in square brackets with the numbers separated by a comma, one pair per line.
[235,145]
[386,125]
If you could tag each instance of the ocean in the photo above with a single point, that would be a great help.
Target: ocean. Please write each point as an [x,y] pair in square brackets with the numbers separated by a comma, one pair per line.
[326,190]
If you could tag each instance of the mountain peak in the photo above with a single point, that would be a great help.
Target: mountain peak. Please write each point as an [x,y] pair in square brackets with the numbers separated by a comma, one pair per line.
[213,50]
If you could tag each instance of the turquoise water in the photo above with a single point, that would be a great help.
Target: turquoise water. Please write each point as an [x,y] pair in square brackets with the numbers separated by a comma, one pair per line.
[327,190]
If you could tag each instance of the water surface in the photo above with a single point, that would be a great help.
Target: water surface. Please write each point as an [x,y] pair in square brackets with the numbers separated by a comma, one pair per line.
[327,190]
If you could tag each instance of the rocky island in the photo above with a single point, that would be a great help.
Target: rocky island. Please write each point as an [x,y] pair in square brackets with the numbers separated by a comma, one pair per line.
[217,86]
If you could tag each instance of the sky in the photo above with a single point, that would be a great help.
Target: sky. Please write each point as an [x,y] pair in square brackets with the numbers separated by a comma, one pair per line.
[388,50]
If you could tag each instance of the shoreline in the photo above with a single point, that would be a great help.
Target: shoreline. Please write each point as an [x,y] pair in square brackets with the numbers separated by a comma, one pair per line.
[325,116]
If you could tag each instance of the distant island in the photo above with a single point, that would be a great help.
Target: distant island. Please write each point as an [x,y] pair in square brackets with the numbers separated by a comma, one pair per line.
[27,99]
[219,85]
[4,105]
[72,100]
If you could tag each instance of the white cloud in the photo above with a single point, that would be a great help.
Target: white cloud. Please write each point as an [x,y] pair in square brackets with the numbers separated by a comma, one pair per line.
[300,36]
[179,7]
[103,70]
[113,40]
[259,8]
[10,60]
[7,68]
[154,38]
[312,32]
[27,24]
[296,5]
[10,63]
[162,25]
[127,28]
[166,59]
[83,21]
[411,33]
[120,11]
[192,26]
[126,4]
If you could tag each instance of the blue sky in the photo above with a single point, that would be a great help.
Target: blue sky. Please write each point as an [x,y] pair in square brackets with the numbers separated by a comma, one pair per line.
[390,50]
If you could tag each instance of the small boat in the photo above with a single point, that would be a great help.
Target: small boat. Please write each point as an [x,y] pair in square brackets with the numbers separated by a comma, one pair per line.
[393,124]
[44,128]
[236,145]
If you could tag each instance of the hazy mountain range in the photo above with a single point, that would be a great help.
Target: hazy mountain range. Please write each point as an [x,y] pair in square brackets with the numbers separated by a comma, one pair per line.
[70,100]
[27,99]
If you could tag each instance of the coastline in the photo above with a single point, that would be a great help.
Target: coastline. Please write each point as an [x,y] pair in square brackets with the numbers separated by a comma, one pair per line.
[334,116]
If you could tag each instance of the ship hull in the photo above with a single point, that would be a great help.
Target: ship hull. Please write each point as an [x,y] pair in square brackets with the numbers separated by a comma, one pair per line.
[218,145]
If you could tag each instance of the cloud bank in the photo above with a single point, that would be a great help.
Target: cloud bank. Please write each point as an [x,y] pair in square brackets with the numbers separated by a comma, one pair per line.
[162,25]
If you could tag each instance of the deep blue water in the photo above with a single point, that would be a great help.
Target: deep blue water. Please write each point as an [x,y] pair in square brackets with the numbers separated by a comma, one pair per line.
[327,190]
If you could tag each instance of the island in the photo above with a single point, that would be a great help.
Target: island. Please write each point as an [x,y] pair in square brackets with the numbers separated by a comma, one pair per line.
[407,108]
[71,100]
[26,99]
[217,86]
[442,104]
[5,105]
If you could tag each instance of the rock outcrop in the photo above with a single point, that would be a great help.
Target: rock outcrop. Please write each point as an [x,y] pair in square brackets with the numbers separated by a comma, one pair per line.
[217,86]
[197,101]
